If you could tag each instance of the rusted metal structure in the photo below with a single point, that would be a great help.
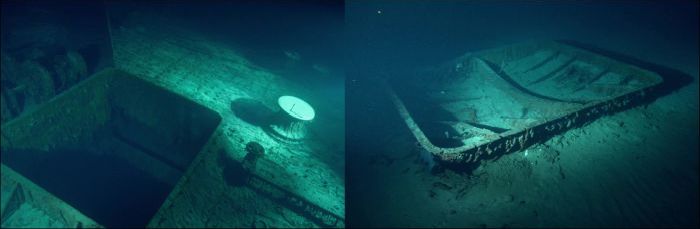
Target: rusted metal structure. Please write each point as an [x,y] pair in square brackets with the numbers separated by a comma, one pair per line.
[134,124]
[503,100]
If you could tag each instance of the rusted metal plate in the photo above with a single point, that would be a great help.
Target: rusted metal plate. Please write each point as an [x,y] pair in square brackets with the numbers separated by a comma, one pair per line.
[24,204]
[502,100]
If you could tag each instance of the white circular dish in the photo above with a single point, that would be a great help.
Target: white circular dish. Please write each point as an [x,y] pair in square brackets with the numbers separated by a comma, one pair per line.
[296,107]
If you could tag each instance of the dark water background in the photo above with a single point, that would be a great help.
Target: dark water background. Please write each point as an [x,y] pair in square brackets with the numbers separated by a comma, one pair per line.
[410,33]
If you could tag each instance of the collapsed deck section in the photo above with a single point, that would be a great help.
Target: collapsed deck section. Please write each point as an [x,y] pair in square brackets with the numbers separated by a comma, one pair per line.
[501,100]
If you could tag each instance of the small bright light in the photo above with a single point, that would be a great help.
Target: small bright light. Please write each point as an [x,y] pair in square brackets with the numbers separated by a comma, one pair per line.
[379,11]
[296,107]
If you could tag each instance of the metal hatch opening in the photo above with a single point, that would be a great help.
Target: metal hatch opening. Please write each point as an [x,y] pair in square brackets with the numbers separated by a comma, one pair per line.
[113,147]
